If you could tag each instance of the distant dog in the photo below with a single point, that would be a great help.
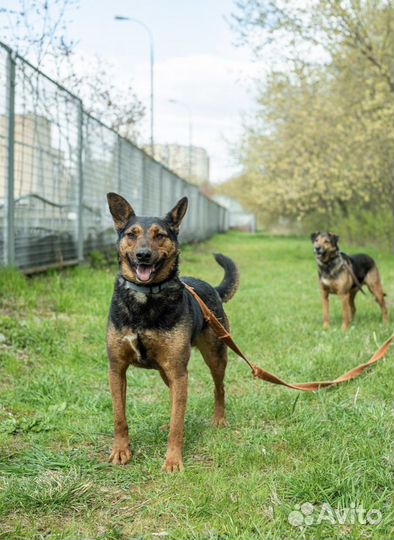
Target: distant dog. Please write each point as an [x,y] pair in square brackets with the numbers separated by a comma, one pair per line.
[154,321]
[344,275]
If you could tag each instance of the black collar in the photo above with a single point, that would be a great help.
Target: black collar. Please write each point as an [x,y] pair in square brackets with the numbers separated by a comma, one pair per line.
[333,266]
[145,289]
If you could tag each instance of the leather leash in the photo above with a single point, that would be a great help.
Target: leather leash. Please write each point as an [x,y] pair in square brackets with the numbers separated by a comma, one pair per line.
[260,373]
[351,272]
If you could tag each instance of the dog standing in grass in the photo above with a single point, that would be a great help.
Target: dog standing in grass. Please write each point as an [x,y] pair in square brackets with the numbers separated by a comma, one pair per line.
[154,321]
[344,275]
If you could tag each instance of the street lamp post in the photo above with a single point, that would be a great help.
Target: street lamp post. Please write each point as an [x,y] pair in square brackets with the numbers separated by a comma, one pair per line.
[151,58]
[189,112]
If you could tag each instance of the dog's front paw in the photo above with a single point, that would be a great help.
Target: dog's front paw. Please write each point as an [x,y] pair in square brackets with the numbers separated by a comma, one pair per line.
[219,421]
[173,465]
[326,325]
[120,455]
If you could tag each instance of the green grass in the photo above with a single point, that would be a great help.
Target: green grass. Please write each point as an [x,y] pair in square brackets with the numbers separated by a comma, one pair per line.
[281,449]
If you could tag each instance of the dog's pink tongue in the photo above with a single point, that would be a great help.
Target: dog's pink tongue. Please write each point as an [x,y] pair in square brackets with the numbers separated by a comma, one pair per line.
[144,272]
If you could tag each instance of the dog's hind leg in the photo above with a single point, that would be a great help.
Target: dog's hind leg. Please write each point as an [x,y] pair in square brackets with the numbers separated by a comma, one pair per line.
[345,310]
[352,304]
[164,378]
[214,353]
[372,280]
[326,308]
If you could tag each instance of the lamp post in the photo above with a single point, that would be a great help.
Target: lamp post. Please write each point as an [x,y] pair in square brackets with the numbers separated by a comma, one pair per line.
[151,58]
[189,112]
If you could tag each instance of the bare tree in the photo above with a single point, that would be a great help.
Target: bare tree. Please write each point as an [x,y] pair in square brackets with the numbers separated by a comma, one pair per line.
[38,31]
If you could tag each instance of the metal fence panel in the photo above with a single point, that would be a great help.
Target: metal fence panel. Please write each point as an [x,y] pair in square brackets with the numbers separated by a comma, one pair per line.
[57,164]
[4,142]
[45,170]
[131,172]
[100,175]
[151,187]
[167,191]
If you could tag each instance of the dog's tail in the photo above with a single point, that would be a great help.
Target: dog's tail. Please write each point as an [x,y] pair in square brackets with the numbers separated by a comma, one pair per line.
[230,283]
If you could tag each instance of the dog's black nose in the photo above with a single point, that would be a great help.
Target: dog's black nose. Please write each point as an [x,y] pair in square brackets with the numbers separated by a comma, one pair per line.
[143,255]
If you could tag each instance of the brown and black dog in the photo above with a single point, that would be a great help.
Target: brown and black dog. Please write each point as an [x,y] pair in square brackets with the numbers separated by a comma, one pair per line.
[154,321]
[344,275]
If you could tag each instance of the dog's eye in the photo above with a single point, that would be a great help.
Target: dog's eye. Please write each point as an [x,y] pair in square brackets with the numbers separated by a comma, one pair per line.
[160,236]
[131,235]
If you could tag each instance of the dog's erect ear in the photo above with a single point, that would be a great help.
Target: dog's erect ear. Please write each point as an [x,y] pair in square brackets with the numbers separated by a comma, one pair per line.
[175,216]
[334,238]
[120,209]
[314,235]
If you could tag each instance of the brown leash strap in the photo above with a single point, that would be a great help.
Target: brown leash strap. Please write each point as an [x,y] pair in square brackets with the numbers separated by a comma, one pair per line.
[356,281]
[260,373]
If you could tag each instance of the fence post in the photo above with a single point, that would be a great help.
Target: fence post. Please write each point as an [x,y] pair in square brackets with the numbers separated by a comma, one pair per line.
[80,183]
[9,240]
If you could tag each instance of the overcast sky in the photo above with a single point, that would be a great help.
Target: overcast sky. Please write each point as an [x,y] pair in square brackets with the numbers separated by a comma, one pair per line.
[196,63]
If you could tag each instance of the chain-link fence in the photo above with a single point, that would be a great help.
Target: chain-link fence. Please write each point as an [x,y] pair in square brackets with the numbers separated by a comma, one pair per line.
[56,165]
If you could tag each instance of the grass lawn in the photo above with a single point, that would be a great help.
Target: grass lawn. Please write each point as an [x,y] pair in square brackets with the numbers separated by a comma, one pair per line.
[282,448]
